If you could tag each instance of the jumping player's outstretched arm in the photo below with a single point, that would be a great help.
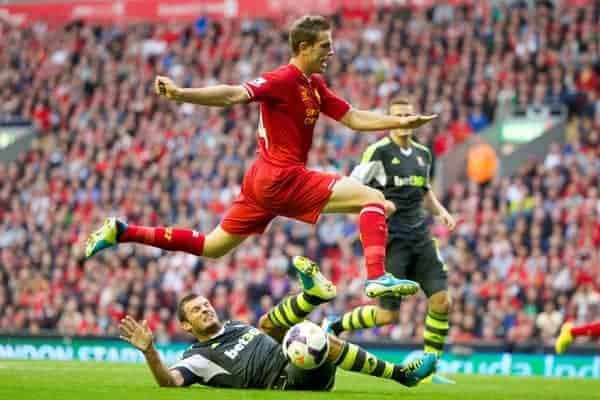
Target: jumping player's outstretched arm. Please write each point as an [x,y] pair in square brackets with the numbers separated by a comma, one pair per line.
[362,120]
[217,95]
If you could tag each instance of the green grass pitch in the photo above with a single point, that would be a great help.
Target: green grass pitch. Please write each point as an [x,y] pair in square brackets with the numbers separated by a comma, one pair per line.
[37,380]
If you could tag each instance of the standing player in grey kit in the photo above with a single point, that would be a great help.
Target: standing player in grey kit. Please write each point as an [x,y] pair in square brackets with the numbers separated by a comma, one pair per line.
[400,168]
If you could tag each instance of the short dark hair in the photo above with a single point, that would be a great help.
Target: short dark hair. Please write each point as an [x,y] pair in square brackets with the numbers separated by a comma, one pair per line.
[307,29]
[186,299]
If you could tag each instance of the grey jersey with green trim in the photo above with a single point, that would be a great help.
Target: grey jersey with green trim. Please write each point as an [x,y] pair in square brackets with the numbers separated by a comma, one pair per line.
[240,357]
[402,177]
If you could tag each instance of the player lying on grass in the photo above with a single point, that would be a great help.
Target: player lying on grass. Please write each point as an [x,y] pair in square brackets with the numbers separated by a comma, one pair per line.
[568,332]
[237,355]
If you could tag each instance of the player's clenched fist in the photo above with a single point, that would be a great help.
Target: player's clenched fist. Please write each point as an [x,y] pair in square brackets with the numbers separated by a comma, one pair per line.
[165,87]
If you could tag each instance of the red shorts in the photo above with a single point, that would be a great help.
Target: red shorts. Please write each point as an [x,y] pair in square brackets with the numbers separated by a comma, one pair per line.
[268,191]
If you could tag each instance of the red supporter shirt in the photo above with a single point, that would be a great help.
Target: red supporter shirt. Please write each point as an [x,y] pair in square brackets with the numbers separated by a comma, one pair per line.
[290,104]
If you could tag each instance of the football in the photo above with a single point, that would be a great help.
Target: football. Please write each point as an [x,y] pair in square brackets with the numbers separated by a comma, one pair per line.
[306,345]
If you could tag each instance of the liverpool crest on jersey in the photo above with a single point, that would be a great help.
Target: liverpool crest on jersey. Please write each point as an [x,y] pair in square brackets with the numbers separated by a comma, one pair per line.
[420,161]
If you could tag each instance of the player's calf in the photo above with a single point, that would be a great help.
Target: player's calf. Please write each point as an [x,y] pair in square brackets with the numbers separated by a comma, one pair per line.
[436,323]
[361,317]
[351,357]
[293,309]
[316,290]
[115,231]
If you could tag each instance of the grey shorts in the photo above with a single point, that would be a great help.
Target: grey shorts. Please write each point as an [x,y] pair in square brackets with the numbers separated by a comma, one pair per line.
[419,261]
[322,378]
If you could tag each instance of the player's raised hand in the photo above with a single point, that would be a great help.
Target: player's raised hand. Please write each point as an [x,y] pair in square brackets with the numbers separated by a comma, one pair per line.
[165,87]
[135,333]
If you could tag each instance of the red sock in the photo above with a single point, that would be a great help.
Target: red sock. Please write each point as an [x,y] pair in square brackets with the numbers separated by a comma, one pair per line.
[181,239]
[373,235]
[592,329]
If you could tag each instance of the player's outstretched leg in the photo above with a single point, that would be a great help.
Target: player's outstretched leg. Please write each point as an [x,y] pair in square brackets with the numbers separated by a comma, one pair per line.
[351,196]
[367,317]
[362,317]
[115,231]
[316,290]
[568,332]
[293,309]
[373,233]
[353,358]
[436,330]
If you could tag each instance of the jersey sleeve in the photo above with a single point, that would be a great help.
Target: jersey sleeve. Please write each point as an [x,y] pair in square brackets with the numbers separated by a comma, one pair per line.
[370,171]
[266,88]
[188,376]
[331,104]
[197,369]
[371,153]
[186,367]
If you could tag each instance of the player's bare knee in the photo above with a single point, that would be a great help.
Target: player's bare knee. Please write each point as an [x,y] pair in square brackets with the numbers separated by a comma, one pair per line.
[212,253]
[218,243]
[336,346]
[440,303]
[373,196]
[265,324]
[390,208]
[378,197]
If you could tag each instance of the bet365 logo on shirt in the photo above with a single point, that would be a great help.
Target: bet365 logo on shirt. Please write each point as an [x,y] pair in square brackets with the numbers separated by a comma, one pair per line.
[242,343]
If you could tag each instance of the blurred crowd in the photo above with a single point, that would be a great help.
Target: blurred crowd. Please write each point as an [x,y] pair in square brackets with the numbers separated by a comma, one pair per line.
[524,256]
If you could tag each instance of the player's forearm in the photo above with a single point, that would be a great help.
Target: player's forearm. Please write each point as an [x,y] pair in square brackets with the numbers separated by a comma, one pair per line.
[161,374]
[432,204]
[218,95]
[367,121]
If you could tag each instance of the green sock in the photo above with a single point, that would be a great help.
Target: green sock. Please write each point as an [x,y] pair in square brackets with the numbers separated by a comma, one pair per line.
[355,359]
[436,332]
[293,309]
[359,318]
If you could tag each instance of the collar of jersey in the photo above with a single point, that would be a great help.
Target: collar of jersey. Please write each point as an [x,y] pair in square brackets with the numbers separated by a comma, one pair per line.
[219,333]
[407,152]
[299,73]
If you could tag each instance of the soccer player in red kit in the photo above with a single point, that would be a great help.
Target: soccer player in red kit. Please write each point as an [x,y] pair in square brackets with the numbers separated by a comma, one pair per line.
[568,332]
[278,183]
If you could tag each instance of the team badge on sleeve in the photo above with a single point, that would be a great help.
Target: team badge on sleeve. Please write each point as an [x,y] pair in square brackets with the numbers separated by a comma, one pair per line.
[258,81]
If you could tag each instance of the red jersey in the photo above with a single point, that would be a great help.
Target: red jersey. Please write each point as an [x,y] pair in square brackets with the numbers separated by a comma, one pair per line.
[290,104]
